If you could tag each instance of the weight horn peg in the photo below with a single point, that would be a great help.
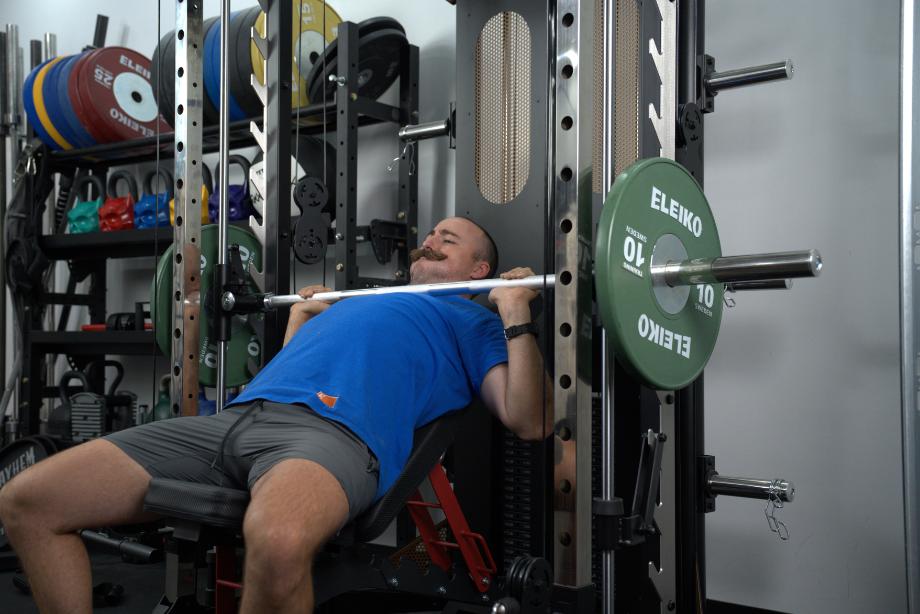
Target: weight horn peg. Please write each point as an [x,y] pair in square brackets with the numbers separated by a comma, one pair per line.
[714,82]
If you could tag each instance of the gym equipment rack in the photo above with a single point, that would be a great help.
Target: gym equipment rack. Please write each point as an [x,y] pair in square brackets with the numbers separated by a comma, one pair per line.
[89,253]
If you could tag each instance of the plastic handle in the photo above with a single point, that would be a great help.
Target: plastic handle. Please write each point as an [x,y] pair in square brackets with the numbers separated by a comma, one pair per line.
[128,178]
[167,178]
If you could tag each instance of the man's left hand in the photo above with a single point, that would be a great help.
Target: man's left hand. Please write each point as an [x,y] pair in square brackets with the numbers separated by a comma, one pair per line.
[503,297]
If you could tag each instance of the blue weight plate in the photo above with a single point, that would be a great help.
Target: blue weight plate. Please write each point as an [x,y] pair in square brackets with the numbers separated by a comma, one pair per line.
[29,106]
[62,101]
[212,72]
[52,103]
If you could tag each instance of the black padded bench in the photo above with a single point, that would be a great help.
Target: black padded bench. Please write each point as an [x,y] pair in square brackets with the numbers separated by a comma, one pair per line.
[205,514]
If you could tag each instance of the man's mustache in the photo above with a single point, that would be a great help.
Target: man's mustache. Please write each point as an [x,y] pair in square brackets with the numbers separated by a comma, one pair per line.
[425,252]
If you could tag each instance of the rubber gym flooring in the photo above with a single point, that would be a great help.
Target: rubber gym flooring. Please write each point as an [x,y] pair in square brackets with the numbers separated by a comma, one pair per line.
[143,586]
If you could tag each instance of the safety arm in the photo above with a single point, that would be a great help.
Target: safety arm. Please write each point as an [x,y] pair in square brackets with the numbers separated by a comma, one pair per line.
[527,388]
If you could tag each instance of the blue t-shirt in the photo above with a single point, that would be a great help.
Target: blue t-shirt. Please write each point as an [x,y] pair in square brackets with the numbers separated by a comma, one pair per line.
[384,366]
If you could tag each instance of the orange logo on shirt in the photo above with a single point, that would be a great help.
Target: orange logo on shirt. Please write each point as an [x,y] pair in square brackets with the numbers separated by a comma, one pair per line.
[329,401]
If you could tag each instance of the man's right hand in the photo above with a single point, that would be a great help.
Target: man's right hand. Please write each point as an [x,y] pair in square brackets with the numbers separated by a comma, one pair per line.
[310,308]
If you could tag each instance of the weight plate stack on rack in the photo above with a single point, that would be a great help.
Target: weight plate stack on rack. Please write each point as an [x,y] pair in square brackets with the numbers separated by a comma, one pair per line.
[381,41]
[99,96]
[164,63]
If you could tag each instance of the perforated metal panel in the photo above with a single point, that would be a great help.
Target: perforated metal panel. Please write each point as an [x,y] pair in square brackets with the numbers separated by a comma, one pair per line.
[502,107]
[626,85]
[600,134]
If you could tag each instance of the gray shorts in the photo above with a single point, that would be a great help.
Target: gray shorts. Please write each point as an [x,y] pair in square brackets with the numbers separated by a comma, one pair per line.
[185,448]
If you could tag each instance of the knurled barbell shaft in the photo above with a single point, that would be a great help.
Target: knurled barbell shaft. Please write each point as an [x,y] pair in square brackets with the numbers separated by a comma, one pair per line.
[751,488]
[734,269]
[749,76]
[478,286]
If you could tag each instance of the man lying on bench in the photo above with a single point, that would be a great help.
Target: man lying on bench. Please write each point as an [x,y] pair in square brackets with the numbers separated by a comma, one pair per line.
[317,436]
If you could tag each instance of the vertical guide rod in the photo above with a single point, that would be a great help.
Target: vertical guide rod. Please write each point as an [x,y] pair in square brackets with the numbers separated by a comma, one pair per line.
[4,175]
[910,281]
[224,168]
[11,129]
[49,51]
[607,364]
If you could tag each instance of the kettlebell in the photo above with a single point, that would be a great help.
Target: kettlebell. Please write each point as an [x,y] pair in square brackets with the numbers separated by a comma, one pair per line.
[84,215]
[162,410]
[117,212]
[152,209]
[239,202]
[59,420]
[207,187]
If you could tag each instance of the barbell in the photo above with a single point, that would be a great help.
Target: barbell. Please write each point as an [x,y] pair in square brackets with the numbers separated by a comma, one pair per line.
[660,279]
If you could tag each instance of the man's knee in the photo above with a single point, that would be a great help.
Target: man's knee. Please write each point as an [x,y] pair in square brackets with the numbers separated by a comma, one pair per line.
[18,500]
[288,542]
[279,553]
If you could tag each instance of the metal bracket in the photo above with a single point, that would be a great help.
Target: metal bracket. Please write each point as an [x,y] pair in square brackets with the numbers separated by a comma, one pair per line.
[386,237]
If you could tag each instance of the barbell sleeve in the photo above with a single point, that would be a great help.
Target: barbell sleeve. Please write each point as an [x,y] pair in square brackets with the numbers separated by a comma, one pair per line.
[428,130]
[735,269]
[752,75]
[751,488]
[478,286]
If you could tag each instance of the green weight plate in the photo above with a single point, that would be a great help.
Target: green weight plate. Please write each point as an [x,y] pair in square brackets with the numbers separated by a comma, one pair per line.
[656,207]
[244,343]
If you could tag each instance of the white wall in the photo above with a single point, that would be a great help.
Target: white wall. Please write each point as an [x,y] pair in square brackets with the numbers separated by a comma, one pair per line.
[429,25]
[805,384]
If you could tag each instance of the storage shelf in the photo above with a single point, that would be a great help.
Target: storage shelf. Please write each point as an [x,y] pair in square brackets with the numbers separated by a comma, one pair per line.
[91,343]
[103,245]
[133,243]
[308,120]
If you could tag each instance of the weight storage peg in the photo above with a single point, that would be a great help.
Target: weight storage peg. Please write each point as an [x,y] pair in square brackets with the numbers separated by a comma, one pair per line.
[714,82]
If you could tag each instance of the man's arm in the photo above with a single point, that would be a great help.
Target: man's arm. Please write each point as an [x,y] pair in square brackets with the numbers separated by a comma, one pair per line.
[517,391]
[302,312]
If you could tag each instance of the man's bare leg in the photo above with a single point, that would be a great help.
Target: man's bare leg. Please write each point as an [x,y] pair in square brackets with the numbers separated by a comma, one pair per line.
[91,485]
[295,508]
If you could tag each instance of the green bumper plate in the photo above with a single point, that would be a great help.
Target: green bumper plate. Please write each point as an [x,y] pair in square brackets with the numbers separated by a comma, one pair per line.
[651,199]
[244,343]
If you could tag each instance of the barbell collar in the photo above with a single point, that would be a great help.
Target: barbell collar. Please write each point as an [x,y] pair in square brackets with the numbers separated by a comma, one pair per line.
[750,488]
[428,130]
[766,284]
[477,286]
[752,75]
[735,269]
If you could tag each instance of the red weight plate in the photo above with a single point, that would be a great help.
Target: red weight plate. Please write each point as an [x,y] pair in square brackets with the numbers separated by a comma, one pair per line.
[84,112]
[117,81]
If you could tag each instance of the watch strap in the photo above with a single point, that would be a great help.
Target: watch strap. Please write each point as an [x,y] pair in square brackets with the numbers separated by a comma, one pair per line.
[521,329]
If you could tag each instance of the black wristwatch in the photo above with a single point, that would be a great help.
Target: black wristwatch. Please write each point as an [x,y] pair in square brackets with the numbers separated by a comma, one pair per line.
[521,329]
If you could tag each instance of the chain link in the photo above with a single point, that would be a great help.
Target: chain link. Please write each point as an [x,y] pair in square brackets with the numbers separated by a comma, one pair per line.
[410,149]
[775,503]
